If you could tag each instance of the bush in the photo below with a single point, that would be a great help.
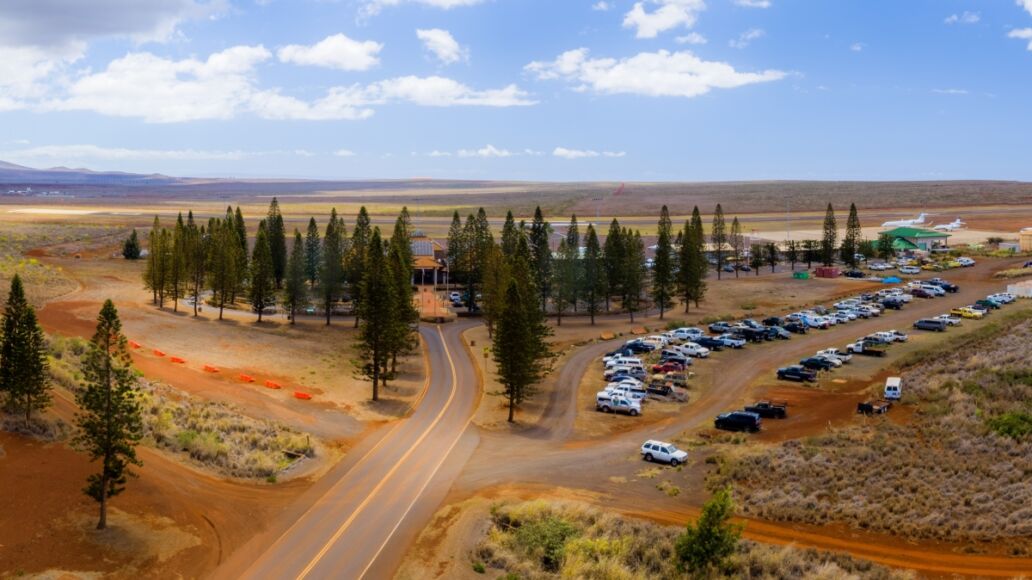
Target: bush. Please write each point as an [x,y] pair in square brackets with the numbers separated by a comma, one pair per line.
[545,540]
[708,544]
[1015,425]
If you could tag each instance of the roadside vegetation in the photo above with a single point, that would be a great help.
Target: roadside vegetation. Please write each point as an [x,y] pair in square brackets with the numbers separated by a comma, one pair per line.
[958,471]
[44,281]
[210,435]
[541,539]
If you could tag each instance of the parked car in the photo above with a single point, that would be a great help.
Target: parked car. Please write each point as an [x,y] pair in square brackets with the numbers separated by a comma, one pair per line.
[952,288]
[854,274]
[773,321]
[693,349]
[455,297]
[768,409]
[779,333]
[893,389]
[873,407]
[731,341]
[893,303]
[1001,298]
[921,293]
[686,333]
[667,366]
[618,372]
[796,373]
[612,403]
[836,353]
[663,452]
[949,319]
[710,343]
[909,270]
[738,421]
[796,327]
[991,305]
[817,364]
[966,262]
[719,327]
[630,361]
[867,347]
[965,312]
[676,358]
[930,324]
[638,347]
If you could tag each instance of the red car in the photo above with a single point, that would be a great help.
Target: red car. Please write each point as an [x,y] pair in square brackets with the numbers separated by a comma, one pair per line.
[668,367]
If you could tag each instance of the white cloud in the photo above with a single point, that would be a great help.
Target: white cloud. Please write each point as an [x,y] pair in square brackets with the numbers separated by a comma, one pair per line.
[344,153]
[1026,4]
[754,3]
[857,47]
[1022,33]
[443,45]
[486,151]
[602,6]
[337,51]
[691,38]
[303,153]
[950,91]
[746,38]
[373,7]
[69,153]
[654,74]
[436,153]
[565,153]
[433,91]
[964,18]
[665,15]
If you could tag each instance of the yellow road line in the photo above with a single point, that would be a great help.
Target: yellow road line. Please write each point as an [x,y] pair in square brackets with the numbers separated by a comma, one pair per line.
[361,460]
[340,531]
[433,474]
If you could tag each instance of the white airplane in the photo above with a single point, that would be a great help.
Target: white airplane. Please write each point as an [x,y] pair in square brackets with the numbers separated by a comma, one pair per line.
[919,221]
[954,225]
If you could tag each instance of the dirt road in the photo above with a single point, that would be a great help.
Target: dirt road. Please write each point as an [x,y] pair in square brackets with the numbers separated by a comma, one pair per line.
[362,524]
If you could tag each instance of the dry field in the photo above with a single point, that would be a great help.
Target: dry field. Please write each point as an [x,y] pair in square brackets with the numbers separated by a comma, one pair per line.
[958,471]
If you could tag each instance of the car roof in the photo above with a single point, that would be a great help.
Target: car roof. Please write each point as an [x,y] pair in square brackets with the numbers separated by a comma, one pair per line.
[655,442]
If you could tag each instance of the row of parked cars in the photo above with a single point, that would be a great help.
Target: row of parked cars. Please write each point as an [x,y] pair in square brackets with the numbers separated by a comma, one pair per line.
[978,310]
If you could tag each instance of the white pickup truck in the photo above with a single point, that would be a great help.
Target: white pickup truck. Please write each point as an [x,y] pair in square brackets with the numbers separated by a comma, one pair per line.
[611,403]
[845,357]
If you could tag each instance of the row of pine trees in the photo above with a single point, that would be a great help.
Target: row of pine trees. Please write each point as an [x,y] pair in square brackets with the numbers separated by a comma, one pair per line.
[582,273]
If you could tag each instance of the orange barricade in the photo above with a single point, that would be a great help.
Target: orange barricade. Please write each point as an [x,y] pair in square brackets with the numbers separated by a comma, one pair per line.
[176,359]
[210,369]
[134,344]
[246,378]
[158,353]
[273,385]
[302,396]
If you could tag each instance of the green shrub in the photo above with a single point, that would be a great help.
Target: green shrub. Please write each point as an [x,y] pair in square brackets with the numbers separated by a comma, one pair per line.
[545,540]
[707,545]
[478,567]
[1015,425]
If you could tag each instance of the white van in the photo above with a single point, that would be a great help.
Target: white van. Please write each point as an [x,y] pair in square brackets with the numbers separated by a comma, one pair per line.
[893,389]
[624,361]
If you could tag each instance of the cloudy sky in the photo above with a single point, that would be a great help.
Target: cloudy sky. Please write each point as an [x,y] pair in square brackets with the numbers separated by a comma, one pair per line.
[521,89]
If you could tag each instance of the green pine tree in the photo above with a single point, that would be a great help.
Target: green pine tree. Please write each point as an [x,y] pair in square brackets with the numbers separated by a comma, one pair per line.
[295,296]
[772,255]
[541,250]
[497,273]
[331,272]
[509,235]
[885,249]
[223,263]
[403,339]
[262,275]
[24,380]
[718,238]
[830,238]
[109,421]
[699,263]
[854,236]
[737,243]
[792,253]
[704,548]
[376,310]
[594,274]
[357,258]
[663,264]
[131,247]
[519,348]
[633,272]
[312,252]
[756,257]
[614,252]
[277,235]
[177,256]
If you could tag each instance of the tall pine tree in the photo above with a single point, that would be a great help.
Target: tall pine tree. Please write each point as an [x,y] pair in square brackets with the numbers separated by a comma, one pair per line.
[295,296]
[24,381]
[594,274]
[376,310]
[331,273]
[312,252]
[830,238]
[109,421]
[737,243]
[718,239]
[262,275]
[223,263]
[633,272]
[854,235]
[277,234]
[541,250]
[613,258]
[663,264]
[519,347]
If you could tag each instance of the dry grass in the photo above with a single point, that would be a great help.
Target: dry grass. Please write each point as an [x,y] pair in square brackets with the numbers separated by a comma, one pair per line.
[569,540]
[958,472]
[212,436]
[43,281]
[1013,273]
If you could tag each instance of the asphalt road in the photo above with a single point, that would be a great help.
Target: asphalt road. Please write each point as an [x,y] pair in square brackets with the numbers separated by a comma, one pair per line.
[361,524]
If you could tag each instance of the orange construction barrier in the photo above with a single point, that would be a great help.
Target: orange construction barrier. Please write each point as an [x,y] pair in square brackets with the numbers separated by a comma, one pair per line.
[176,359]
[273,385]
[158,353]
[134,344]
[302,396]
[210,369]
[246,378]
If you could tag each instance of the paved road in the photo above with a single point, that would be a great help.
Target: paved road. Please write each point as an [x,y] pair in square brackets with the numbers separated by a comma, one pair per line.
[363,522]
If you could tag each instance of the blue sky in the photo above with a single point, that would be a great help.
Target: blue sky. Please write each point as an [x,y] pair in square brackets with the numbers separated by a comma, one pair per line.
[521,89]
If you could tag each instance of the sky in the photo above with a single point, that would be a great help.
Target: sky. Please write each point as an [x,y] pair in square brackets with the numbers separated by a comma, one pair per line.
[564,90]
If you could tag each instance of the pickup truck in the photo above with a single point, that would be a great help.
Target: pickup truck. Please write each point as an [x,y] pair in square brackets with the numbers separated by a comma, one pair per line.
[796,373]
[867,347]
[607,403]
[836,353]
[719,327]
[817,364]
[710,343]
[769,409]
[873,407]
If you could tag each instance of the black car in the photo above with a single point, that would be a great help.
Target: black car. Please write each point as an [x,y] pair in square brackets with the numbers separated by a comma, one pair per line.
[738,421]
[640,347]
[816,364]
[796,327]
[768,409]
[892,303]
[773,321]
[796,373]
[621,352]
[944,285]
[719,327]
[752,324]
[752,334]
[855,274]
[780,333]
[710,343]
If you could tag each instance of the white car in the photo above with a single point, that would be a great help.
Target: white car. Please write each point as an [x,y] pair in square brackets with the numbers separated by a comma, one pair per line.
[1002,297]
[835,353]
[627,391]
[933,289]
[624,361]
[835,361]
[664,452]
[966,262]
[455,297]
[880,266]
[686,333]
[909,270]
[616,404]
[949,319]
[692,349]
[890,336]
[731,341]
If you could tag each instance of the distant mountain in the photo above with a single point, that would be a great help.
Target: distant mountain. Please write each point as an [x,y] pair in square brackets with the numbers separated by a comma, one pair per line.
[12,174]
